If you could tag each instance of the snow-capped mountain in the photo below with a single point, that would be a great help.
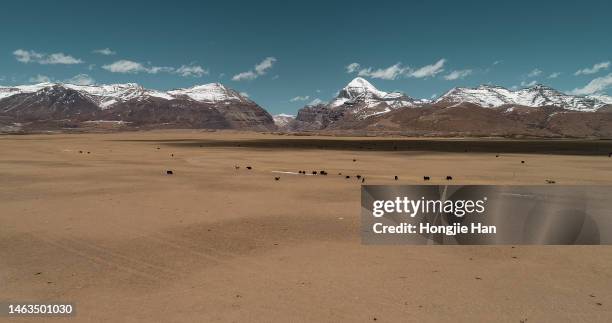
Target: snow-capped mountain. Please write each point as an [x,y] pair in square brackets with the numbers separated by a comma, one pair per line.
[210,93]
[107,95]
[282,120]
[358,100]
[367,100]
[202,106]
[536,96]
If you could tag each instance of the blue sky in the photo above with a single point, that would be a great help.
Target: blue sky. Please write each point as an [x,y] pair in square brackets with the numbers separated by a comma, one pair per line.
[277,51]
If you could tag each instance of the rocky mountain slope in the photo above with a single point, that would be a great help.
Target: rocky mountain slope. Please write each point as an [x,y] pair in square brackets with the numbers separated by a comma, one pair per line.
[54,105]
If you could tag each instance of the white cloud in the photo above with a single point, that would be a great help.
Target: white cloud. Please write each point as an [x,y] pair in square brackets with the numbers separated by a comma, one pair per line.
[497,62]
[395,71]
[316,101]
[554,75]
[191,70]
[260,69]
[535,72]
[596,85]
[250,75]
[390,73]
[265,65]
[429,70]
[81,79]
[40,79]
[457,74]
[125,66]
[104,51]
[244,94]
[352,68]
[300,98]
[592,70]
[528,84]
[30,56]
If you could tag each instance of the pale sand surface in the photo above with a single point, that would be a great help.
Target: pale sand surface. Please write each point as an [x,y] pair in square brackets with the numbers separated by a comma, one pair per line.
[112,233]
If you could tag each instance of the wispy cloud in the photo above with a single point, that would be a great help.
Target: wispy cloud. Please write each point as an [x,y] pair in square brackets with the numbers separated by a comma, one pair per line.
[104,51]
[257,71]
[429,70]
[397,70]
[596,85]
[390,73]
[528,84]
[594,69]
[316,101]
[352,68]
[40,79]
[191,70]
[250,75]
[125,66]
[535,72]
[457,74]
[244,94]
[30,56]
[300,98]
[554,75]
[81,79]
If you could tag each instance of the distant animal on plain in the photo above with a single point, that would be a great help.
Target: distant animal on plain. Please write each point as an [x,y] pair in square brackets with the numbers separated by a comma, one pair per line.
[236,167]
[276,178]
[449,178]
[550,181]
[169,172]
[358,176]
[249,167]
[522,161]
[347,176]
[426,178]
[396,178]
[354,160]
[496,156]
[323,172]
[314,172]
[363,180]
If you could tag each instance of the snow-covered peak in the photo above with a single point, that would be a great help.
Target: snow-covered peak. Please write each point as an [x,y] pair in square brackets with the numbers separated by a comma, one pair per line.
[213,92]
[535,96]
[107,95]
[360,87]
[363,99]
[6,91]
[283,119]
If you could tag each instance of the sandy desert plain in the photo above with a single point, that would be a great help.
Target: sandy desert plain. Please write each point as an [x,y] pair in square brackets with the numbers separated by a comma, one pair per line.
[108,230]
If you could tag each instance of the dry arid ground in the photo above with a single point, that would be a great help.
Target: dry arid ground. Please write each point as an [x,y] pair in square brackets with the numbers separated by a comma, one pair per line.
[108,230]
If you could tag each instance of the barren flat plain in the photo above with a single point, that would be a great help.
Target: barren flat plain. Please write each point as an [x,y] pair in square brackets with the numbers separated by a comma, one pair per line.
[95,220]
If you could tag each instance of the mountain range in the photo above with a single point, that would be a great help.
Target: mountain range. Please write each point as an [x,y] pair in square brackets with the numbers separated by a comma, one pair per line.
[359,107]
[55,105]
[483,111]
